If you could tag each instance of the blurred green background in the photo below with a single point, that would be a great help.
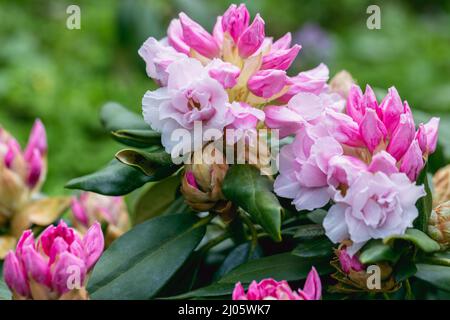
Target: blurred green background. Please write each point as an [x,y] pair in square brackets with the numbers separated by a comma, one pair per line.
[64,76]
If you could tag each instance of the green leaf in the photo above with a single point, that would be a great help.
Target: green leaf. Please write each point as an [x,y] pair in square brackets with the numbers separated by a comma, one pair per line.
[284,266]
[424,204]
[115,117]
[115,179]
[321,247]
[140,262]
[239,255]
[245,186]
[418,238]
[317,215]
[308,231]
[376,251]
[438,276]
[150,163]
[155,198]
[405,267]
[137,138]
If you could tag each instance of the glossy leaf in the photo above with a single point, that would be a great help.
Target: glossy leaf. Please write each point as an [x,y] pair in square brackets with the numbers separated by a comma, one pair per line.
[308,231]
[376,251]
[320,247]
[116,117]
[115,179]
[239,255]
[284,266]
[246,187]
[148,162]
[140,262]
[137,138]
[418,238]
[317,215]
[438,276]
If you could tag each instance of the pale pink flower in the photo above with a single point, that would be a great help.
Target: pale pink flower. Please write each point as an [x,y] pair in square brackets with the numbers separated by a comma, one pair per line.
[270,289]
[375,205]
[304,166]
[226,73]
[191,96]
[41,269]
[267,83]
[251,38]
[245,121]
[175,37]
[281,58]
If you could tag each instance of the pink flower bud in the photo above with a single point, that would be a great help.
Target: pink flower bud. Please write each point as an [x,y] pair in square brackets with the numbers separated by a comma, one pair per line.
[283,43]
[401,137]
[36,266]
[431,131]
[372,130]
[252,38]
[391,107]
[67,265]
[37,140]
[175,37]
[349,263]
[13,150]
[267,83]
[198,38]
[280,59]
[313,287]
[15,276]
[239,292]
[421,138]
[94,244]
[191,179]
[384,162]
[35,168]
[218,31]
[343,128]
[224,72]
[79,212]
[355,107]
[370,99]
[235,20]
[412,162]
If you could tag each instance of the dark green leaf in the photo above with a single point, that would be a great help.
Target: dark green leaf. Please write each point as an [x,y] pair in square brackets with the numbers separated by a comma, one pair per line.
[150,163]
[239,255]
[424,204]
[438,276]
[418,238]
[115,179]
[140,262]
[376,251]
[246,187]
[308,231]
[137,138]
[284,266]
[115,117]
[317,216]
[405,268]
[320,247]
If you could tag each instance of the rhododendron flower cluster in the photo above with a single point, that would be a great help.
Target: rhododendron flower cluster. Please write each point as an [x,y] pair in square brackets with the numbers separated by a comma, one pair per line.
[366,159]
[222,78]
[270,289]
[55,266]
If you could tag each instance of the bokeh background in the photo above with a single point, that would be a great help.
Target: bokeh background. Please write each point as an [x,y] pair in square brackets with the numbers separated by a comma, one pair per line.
[64,76]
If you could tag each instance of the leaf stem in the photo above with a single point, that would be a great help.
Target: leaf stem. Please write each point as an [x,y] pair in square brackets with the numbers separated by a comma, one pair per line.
[409,294]
[213,242]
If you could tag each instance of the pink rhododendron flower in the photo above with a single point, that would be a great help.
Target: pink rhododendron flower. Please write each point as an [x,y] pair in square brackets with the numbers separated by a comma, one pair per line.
[191,95]
[270,289]
[245,121]
[349,263]
[267,83]
[42,269]
[374,206]
[235,20]
[224,72]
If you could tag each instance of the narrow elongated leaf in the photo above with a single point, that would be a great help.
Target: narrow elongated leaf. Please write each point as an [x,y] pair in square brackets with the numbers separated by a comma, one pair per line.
[317,216]
[308,231]
[137,138]
[284,266]
[438,276]
[239,255]
[424,204]
[115,179]
[320,247]
[376,251]
[246,187]
[420,239]
[139,263]
[150,163]
[115,117]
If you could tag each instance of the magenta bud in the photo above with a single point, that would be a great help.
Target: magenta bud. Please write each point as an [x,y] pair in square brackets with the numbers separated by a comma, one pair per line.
[13,150]
[235,20]
[280,59]
[343,128]
[412,162]
[355,108]
[14,275]
[79,212]
[218,31]
[37,140]
[391,107]
[67,265]
[349,263]
[175,37]
[313,286]
[431,131]
[383,162]
[421,138]
[35,168]
[198,38]
[94,244]
[36,266]
[372,130]
[370,100]
[252,38]
[190,178]
[267,83]
[401,137]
